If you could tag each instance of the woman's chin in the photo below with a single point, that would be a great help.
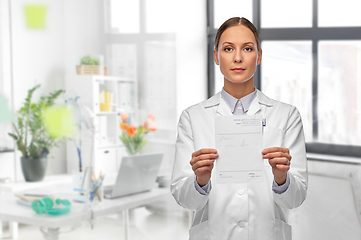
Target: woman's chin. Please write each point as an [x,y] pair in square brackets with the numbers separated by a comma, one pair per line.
[240,81]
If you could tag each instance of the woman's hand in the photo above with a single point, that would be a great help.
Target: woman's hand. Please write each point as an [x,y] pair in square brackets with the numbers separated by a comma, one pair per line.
[202,164]
[280,160]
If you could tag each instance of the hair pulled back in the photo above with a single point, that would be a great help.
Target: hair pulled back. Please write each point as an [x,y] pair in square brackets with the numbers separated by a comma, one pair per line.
[236,21]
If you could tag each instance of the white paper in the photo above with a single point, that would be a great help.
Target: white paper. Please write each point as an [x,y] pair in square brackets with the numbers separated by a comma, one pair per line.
[239,145]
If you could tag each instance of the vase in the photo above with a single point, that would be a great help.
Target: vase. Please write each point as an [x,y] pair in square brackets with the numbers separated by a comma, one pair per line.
[34,169]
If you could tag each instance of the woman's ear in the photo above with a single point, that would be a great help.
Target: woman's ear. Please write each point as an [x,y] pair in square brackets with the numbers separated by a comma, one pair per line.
[215,56]
[259,57]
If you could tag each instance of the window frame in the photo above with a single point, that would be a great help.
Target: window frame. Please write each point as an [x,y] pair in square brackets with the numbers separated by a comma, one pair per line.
[314,34]
[139,39]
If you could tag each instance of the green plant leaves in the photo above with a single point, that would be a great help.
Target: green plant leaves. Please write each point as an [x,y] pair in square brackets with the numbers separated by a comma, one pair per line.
[133,144]
[30,129]
[88,60]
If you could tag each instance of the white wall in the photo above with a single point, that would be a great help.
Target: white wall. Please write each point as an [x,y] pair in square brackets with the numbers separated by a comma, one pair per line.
[38,55]
[45,56]
[191,53]
[6,159]
[82,22]
[5,84]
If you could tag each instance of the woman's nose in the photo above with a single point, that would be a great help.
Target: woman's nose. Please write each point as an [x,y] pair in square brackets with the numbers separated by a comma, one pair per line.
[238,57]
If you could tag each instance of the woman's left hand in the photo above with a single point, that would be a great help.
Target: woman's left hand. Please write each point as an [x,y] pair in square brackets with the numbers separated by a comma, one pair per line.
[280,160]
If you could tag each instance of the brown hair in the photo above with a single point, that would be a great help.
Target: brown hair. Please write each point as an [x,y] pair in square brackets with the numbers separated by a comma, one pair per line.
[235,21]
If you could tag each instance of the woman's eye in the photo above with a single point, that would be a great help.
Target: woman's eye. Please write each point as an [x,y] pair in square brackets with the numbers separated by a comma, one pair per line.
[228,49]
[248,49]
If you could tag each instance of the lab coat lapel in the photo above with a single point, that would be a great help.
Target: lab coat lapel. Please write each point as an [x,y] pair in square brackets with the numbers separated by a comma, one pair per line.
[223,109]
[259,100]
[254,108]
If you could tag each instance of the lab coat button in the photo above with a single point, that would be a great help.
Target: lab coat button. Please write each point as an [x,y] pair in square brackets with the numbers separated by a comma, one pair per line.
[241,224]
[242,191]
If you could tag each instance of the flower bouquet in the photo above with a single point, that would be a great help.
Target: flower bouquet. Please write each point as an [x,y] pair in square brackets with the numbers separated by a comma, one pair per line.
[132,136]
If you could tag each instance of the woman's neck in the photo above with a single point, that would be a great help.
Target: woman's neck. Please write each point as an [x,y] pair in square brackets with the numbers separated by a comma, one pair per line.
[239,90]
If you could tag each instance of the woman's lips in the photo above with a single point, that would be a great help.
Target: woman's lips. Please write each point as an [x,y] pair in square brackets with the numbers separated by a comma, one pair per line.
[238,70]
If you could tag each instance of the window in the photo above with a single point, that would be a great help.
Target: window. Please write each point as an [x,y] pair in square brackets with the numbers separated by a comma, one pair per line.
[318,45]
[159,16]
[224,9]
[297,13]
[331,13]
[287,76]
[339,92]
[140,45]
[124,19]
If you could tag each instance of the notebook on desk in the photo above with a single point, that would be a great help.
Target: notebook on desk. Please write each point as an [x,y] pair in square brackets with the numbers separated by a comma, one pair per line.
[136,174]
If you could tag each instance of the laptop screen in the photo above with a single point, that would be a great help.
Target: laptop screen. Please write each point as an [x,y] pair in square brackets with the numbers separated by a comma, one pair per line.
[137,173]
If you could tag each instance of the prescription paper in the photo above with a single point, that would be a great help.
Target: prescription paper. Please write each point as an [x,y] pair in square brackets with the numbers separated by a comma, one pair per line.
[239,145]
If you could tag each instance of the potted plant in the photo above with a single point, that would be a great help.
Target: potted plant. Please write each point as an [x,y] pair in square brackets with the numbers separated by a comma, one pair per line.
[89,66]
[31,137]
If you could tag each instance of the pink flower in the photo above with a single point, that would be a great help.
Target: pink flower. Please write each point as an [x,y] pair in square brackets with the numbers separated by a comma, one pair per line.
[124,117]
[151,117]
[152,126]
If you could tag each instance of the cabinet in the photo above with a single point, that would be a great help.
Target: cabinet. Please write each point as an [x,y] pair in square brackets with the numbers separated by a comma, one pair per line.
[106,97]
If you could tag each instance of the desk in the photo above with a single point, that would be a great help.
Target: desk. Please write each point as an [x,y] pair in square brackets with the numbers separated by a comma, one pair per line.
[19,186]
[24,186]
[11,211]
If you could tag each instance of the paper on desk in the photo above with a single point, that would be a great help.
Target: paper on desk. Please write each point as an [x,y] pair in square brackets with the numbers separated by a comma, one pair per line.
[239,145]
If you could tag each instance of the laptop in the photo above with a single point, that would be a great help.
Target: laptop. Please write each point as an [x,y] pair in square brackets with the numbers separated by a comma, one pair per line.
[136,174]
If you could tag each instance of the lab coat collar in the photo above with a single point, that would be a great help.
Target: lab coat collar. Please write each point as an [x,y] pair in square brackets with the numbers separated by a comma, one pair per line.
[223,109]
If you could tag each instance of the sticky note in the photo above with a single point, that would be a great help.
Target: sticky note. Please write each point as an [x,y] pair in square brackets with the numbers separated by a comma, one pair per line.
[35,16]
[59,121]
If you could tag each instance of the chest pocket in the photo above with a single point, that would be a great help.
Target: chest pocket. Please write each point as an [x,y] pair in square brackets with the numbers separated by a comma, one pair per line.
[272,137]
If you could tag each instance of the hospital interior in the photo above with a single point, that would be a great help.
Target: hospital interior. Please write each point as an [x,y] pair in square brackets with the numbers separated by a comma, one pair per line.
[91,88]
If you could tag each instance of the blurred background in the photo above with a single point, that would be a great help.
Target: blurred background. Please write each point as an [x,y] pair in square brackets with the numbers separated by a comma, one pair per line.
[159,60]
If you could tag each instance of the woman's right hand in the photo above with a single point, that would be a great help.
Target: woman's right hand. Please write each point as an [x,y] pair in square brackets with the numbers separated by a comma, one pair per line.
[202,164]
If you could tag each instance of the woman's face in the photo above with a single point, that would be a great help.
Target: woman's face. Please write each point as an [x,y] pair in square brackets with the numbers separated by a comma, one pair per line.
[237,54]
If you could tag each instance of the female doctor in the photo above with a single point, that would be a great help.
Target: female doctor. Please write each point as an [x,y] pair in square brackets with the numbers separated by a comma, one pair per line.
[241,210]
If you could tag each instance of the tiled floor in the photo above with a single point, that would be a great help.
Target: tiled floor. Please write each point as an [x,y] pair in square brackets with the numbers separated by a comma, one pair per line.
[144,224]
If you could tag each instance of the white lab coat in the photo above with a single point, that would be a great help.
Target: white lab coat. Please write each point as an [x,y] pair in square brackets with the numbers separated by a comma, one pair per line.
[240,211]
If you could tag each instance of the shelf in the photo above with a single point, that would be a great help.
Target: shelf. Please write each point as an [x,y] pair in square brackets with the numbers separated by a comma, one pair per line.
[112,79]
[106,149]
[102,78]
[5,149]
[112,113]
[110,146]
[106,113]
[161,141]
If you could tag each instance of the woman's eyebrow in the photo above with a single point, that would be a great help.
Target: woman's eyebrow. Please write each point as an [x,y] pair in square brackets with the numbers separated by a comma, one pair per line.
[231,43]
[248,43]
[227,43]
